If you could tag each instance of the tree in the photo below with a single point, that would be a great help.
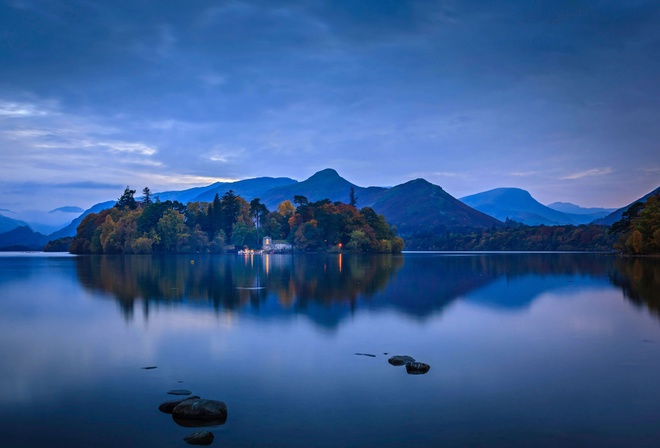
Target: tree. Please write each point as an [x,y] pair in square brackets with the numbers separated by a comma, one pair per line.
[127,199]
[146,196]
[352,198]
[286,209]
[300,200]
[231,210]
[171,229]
[216,217]
[627,217]
[258,212]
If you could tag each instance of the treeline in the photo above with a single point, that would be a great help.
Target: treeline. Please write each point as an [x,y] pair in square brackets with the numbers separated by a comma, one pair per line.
[518,237]
[149,226]
[638,229]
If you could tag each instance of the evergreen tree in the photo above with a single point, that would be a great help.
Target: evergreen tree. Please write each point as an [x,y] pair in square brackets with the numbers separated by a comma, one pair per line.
[146,196]
[352,198]
[230,211]
[127,199]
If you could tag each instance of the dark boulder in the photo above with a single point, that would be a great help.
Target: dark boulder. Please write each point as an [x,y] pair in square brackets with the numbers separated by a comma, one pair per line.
[169,406]
[198,423]
[201,409]
[417,368]
[400,360]
[199,438]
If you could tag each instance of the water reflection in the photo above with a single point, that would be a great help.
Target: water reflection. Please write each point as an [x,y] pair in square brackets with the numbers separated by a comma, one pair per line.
[235,282]
[329,288]
[639,279]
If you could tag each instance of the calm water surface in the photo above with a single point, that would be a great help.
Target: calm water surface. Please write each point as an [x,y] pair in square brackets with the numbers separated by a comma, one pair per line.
[526,350]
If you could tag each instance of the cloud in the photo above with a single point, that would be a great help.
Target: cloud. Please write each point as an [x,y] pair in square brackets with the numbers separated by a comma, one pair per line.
[21,110]
[138,148]
[224,154]
[523,173]
[589,173]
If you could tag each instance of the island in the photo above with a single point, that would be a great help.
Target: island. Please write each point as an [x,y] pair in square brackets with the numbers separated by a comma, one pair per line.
[231,223]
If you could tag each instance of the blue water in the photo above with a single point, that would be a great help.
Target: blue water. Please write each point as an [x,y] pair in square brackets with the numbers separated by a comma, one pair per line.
[525,349]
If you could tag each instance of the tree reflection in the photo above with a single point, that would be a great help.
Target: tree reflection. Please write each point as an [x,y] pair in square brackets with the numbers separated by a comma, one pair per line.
[235,282]
[639,279]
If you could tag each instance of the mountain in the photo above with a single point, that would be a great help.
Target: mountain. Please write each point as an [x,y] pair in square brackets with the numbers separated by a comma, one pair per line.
[22,238]
[248,189]
[518,205]
[67,209]
[618,214]
[7,224]
[326,184]
[567,207]
[420,205]
[70,229]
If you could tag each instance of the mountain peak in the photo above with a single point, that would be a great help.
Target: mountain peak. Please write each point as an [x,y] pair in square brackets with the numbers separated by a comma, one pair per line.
[327,173]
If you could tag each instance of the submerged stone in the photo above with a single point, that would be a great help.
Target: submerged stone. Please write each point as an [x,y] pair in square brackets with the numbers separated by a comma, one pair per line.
[169,406]
[400,360]
[179,392]
[199,438]
[417,368]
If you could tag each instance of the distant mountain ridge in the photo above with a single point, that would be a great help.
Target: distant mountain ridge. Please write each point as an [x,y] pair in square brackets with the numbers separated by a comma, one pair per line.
[567,207]
[518,205]
[416,205]
[7,224]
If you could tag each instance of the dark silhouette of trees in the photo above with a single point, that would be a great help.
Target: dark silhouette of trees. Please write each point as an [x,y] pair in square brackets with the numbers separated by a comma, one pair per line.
[352,198]
[146,196]
[127,199]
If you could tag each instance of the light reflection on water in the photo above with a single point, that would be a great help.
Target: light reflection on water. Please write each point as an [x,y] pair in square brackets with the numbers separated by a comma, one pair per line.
[525,349]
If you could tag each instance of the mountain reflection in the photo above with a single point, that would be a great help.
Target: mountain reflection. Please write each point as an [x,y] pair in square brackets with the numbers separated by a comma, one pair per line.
[328,288]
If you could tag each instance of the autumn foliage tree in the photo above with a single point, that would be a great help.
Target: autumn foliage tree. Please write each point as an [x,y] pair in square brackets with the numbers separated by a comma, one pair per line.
[639,228]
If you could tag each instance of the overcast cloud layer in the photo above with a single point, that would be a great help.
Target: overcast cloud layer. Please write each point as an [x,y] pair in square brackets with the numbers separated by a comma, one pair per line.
[558,97]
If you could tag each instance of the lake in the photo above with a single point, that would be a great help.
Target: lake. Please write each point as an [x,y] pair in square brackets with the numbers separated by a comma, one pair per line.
[526,350]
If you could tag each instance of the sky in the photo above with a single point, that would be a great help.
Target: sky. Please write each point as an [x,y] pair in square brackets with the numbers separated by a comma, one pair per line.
[560,98]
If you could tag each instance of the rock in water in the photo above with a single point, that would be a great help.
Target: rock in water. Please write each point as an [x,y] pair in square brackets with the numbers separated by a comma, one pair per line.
[417,368]
[201,409]
[199,438]
[179,392]
[400,360]
[169,406]
[198,423]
